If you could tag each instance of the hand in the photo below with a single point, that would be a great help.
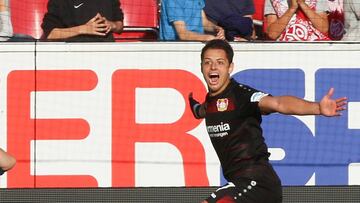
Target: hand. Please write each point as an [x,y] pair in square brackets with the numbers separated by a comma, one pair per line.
[209,37]
[109,25]
[194,106]
[240,39]
[220,33]
[302,4]
[95,26]
[331,107]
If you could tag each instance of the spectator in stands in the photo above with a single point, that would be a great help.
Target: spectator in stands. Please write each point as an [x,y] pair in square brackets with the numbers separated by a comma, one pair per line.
[296,20]
[6,30]
[74,20]
[352,20]
[235,16]
[6,161]
[186,20]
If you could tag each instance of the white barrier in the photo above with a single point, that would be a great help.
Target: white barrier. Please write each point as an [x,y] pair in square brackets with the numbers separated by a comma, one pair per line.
[96,104]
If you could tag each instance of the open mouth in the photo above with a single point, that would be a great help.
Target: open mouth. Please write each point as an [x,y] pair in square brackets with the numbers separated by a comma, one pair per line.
[213,78]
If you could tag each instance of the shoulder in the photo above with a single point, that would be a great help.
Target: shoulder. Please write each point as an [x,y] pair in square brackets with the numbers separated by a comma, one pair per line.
[241,91]
[172,4]
[250,94]
[59,3]
[55,7]
[242,87]
[63,5]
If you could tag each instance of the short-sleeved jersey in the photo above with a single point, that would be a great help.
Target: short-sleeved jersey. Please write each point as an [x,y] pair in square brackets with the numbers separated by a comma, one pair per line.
[71,13]
[188,11]
[233,121]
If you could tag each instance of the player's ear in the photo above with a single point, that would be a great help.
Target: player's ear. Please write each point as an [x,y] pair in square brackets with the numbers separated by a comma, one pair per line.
[231,68]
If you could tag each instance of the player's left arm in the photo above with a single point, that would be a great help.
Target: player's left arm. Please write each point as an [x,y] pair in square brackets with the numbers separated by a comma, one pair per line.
[291,105]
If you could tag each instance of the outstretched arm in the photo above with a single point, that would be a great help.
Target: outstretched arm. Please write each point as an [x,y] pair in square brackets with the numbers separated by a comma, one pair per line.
[291,105]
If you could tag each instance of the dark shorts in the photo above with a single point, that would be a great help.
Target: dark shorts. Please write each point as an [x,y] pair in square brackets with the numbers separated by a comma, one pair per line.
[247,191]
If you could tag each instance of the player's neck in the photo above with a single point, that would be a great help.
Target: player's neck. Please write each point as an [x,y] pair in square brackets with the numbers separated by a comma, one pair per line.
[221,90]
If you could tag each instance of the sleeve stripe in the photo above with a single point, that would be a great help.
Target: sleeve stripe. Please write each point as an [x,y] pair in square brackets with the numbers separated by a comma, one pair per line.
[257,96]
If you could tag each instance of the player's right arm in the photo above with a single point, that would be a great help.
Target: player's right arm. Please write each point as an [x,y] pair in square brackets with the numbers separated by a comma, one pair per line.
[198,110]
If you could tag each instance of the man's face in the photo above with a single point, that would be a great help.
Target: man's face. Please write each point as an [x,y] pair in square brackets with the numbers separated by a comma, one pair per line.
[216,70]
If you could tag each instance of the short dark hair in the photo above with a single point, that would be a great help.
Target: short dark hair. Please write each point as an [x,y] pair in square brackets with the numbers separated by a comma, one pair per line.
[219,44]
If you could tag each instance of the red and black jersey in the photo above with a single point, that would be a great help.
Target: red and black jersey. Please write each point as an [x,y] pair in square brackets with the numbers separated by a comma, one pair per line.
[233,121]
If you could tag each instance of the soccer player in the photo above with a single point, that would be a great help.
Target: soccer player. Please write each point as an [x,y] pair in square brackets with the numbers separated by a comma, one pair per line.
[6,161]
[232,112]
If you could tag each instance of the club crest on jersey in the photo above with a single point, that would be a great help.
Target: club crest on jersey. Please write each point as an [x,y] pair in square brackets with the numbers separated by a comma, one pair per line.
[222,104]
